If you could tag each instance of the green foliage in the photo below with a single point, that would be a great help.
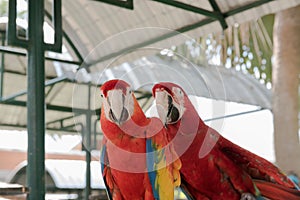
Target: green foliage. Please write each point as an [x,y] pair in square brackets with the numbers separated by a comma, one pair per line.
[247,47]
[3,8]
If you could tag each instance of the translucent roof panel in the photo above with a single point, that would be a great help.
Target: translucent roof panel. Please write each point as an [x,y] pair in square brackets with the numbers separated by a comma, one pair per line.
[215,82]
[89,23]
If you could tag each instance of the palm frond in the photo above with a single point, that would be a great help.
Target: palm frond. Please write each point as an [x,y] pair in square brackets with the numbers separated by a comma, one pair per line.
[247,47]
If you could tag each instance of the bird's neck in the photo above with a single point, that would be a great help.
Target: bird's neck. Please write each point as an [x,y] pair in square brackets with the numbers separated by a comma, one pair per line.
[110,129]
[190,122]
[138,115]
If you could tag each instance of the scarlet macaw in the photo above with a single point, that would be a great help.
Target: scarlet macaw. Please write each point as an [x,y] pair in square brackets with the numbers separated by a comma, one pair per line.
[137,160]
[212,166]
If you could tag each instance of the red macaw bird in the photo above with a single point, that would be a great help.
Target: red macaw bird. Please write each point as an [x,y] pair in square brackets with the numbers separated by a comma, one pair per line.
[137,160]
[212,166]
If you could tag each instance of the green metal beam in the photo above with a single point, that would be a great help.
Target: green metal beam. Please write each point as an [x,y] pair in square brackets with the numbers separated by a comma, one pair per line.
[77,53]
[96,123]
[121,3]
[235,114]
[177,31]
[36,101]
[219,13]
[47,128]
[9,71]
[97,112]
[146,102]
[153,40]
[49,90]
[69,41]
[20,53]
[52,107]
[60,120]
[67,128]
[145,96]
[57,24]
[2,67]
[21,93]
[34,43]
[88,133]
[57,27]
[12,35]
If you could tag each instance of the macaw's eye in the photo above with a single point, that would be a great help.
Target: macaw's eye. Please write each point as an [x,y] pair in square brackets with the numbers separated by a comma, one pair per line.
[173,112]
[170,100]
[173,115]
[170,105]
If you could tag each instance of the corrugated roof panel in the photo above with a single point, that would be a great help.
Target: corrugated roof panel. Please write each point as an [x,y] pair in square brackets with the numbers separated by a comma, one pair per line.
[255,13]
[92,30]
[13,83]
[226,6]
[214,82]
[14,115]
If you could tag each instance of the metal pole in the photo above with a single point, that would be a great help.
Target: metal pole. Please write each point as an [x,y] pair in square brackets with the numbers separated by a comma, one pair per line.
[88,147]
[96,123]
[36,101]
[2,67]
[34,43]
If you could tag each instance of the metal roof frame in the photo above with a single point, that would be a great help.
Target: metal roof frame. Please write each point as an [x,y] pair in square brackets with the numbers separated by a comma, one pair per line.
[215,15]
[212,16]
[121,3]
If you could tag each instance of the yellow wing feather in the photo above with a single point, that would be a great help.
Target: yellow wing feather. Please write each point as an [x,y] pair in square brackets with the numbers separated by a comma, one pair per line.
[167,171]
[164,173]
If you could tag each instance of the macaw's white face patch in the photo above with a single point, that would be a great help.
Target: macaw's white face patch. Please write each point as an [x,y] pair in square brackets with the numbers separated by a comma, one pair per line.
[118,105]
[170,107]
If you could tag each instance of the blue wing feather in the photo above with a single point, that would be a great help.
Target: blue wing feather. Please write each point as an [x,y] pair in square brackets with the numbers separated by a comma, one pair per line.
[104,163]
[150,156]
[103,158]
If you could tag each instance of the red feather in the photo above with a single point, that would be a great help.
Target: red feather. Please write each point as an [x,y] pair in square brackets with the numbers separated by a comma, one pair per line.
[125,174]
[277,192]
[215,168]
[125,169]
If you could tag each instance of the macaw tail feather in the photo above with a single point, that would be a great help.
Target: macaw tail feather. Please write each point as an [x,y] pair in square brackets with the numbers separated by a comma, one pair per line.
[276,192]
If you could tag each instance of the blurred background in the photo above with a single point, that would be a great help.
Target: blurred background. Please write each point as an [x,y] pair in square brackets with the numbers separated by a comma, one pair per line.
[238,61]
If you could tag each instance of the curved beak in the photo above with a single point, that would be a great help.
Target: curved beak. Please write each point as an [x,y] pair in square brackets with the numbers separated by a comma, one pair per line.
[161,98]
[118,113]
[167,109]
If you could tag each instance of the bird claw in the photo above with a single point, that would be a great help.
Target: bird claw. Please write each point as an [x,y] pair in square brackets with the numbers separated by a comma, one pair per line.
[247,196]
